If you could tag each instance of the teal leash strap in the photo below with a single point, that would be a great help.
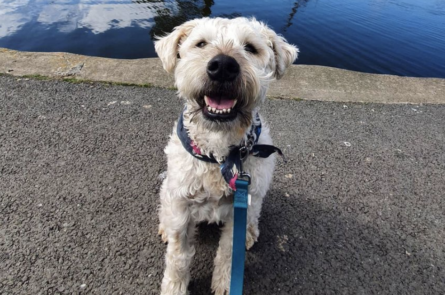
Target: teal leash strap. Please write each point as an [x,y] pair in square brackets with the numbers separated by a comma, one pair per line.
[240,204]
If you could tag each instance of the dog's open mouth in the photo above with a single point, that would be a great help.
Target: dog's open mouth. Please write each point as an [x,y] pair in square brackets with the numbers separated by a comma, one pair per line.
[220,107]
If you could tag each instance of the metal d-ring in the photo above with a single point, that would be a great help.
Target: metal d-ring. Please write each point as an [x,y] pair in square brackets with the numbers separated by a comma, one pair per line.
[246,148]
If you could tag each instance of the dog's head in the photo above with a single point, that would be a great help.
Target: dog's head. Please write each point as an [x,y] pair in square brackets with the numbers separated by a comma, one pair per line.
[223,67]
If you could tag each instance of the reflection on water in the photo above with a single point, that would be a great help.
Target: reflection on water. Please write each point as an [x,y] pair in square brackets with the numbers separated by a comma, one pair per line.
[67,16]
[166,19]
[294,10]
[404,37]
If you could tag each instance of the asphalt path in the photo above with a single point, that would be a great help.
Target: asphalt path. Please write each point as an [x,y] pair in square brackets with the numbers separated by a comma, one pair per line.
[357,209]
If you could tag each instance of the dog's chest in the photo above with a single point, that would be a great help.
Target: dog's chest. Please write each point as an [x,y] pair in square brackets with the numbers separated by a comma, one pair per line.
[213,199]
[208,195]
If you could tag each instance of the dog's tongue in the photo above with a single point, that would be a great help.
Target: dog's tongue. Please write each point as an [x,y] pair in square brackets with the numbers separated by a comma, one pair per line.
[220,103]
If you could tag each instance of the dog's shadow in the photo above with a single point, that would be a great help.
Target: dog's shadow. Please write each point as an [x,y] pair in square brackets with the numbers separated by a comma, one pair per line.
[305,248]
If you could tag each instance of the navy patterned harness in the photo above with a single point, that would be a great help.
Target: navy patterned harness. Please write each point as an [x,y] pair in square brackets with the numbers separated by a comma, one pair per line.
[232,164]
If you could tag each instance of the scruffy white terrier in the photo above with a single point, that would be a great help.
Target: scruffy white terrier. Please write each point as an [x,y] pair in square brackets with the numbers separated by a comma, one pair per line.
[222,69]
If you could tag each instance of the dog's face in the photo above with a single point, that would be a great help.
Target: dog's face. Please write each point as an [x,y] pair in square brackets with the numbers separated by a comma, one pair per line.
[223,67]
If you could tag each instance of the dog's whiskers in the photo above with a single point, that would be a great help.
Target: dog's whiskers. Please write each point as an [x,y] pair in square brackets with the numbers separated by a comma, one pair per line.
[195,112]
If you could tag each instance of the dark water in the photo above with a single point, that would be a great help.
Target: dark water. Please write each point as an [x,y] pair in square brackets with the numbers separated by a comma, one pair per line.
[402,37]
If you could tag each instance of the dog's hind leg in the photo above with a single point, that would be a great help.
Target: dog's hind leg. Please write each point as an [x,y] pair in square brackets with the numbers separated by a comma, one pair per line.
[252,234]
[253,215]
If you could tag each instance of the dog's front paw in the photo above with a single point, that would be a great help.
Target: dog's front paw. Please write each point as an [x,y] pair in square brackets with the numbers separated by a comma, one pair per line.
[221,279]
[162,233]
[220,290]
[174,288]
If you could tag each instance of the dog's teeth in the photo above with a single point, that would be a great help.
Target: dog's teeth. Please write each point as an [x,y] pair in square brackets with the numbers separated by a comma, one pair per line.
[225,111]
[234,103]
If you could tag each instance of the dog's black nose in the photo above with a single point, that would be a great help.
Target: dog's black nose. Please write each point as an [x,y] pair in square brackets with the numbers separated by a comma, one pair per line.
[223,68]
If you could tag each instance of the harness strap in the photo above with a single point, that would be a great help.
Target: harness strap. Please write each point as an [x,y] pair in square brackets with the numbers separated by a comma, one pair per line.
[240,204]
[231,166]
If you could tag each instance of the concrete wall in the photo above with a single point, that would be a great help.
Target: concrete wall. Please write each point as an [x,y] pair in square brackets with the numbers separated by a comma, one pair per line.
[300,81]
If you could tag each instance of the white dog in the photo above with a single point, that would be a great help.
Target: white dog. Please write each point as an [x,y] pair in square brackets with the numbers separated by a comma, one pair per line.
[222,69]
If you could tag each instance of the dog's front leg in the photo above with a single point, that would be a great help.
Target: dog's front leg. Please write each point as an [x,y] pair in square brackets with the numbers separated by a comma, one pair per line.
[223,261]
[180,252]
[179,230]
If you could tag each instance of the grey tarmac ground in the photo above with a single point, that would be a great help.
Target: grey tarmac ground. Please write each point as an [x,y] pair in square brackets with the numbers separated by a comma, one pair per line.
[357,209]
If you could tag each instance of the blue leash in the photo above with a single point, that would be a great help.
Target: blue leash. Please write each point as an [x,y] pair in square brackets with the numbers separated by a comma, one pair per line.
[240,204]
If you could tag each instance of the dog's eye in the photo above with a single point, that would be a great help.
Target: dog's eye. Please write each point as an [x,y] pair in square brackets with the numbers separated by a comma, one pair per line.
[250,48]
[201,44]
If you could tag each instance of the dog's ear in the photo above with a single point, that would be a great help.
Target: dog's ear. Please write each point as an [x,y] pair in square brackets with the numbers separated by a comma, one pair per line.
[285,53]
[167,47]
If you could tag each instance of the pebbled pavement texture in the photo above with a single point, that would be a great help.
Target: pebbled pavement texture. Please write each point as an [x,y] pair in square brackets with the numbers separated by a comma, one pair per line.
[357,209]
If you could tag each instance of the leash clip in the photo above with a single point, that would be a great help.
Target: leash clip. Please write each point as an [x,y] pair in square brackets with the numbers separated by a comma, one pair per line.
[244,176]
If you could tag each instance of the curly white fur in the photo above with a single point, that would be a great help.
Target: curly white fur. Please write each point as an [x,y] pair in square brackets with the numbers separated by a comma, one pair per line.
[195,191]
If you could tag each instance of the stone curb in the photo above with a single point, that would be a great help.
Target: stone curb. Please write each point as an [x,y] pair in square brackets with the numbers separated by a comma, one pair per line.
[300,82]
